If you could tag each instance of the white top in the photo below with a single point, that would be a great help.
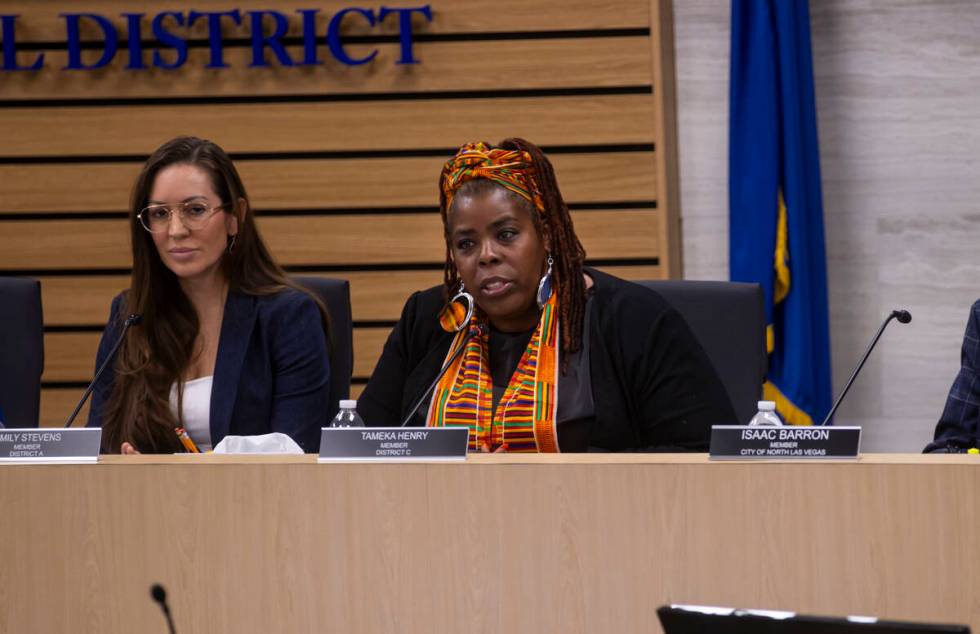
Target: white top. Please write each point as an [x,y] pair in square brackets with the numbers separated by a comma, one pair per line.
[196,418]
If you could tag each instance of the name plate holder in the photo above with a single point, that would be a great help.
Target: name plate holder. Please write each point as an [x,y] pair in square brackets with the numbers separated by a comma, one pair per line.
[742,442]
[35,445]
[393,444]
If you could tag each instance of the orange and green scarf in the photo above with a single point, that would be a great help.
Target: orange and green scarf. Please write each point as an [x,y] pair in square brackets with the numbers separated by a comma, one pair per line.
[525,418]
[512,169]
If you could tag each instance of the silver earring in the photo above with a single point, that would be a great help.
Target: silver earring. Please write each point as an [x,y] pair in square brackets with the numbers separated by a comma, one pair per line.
[544,286]
[457,313]
[466,299]
[231,244]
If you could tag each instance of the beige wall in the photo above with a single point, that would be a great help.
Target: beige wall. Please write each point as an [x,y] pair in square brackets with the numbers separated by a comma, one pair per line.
[898,99]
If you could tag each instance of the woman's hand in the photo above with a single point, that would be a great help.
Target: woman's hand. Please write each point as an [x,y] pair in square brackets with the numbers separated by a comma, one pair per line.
[485,448]
[128,449]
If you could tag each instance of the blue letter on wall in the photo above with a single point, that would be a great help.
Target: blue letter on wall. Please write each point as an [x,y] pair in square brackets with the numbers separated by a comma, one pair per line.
[310,57]
[405,28]
[333,37]
[214,32]
[110,40]
[168,38]
[7,23]
[133,22]
[260,40]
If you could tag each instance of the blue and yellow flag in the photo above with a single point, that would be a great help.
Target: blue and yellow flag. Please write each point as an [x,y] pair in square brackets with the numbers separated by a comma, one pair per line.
[776,233]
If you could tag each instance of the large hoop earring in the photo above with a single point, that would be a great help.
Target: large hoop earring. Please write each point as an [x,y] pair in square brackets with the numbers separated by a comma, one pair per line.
[544,286]
[458,312]
[231,244]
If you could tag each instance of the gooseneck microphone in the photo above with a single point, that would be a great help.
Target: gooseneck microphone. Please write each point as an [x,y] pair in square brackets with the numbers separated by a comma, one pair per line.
[903,317]
[160,596]
[476,330]
[132,320]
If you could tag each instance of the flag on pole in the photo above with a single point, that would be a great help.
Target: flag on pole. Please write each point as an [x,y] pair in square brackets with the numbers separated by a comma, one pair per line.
[776,235]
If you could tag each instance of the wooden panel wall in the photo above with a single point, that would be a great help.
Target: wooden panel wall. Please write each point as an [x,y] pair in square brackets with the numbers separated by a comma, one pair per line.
[341,162]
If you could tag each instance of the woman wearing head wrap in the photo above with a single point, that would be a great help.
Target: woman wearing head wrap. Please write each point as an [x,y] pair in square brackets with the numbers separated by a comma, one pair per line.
[544,354]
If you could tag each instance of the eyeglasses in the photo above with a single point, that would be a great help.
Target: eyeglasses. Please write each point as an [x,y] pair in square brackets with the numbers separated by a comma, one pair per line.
[193,215]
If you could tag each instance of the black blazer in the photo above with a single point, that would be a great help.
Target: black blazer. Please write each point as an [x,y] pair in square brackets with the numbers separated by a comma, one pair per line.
[653,386]
[272,373]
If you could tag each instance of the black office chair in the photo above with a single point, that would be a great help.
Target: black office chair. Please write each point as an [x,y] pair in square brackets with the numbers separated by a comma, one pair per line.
[729,320]
[21,351]
[335,294]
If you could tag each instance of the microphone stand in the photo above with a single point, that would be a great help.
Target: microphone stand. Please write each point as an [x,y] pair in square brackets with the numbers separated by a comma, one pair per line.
[159,595]
[132,320]
[475,330]
[903,317]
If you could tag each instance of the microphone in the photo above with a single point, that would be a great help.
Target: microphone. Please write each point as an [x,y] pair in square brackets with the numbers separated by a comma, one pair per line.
[132,320]
[475,331]
[160,596]
[903,317]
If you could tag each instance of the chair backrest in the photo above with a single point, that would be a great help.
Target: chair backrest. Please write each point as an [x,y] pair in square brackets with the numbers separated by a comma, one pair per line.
[21,351]
[728,318]
[335,294]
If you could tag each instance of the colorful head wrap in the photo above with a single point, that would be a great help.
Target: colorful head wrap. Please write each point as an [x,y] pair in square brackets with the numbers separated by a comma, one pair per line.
[511,169]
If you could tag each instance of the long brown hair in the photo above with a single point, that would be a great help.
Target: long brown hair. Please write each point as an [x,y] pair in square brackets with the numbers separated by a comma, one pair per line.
[155,354]
[554,225]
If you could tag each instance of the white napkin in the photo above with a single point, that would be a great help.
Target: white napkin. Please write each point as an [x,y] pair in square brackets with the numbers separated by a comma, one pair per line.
[266,443]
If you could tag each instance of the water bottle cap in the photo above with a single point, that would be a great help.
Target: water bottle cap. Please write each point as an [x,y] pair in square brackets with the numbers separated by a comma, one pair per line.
[348,404]
[767,406]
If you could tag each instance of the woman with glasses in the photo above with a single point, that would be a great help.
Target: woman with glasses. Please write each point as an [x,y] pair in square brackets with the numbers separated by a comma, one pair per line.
[227,345]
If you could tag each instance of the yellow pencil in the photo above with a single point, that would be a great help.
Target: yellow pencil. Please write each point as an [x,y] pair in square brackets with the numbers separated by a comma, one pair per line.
[186,440]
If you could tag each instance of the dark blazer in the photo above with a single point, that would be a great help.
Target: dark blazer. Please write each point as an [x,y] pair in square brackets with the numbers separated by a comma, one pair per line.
[272,372]
[957,427]
[653,386]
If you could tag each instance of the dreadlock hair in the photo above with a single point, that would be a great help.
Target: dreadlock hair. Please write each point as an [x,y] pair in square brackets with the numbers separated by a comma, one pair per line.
[554,225]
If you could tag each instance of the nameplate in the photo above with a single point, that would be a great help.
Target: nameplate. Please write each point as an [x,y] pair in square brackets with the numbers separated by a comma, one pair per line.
[741,442]
[338,444]
[38,445]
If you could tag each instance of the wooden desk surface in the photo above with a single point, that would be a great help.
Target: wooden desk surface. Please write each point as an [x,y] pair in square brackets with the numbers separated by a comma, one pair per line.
[501,543]
[568,458]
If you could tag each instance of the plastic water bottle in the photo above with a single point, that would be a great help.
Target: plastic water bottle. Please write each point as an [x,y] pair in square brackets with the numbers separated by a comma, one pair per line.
[347,416]
[767,416]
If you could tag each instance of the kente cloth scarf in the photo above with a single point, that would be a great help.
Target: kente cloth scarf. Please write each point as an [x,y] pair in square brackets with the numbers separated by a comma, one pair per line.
[512,169]
[525,416]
